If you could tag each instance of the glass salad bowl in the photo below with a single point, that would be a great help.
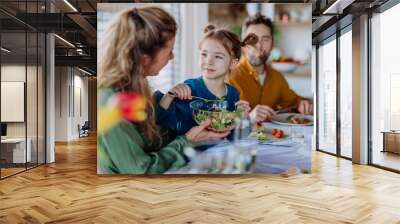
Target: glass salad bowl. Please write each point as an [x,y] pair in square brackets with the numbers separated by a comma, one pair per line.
[221,118]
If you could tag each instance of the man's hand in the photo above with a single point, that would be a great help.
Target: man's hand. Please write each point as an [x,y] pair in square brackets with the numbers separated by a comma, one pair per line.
[261,113]
[305,107]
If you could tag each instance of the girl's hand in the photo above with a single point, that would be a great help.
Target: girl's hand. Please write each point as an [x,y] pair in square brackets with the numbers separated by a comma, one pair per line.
[182,91]
[245,105]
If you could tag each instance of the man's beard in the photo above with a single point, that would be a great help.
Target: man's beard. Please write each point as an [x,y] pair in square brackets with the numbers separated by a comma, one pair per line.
[260,60]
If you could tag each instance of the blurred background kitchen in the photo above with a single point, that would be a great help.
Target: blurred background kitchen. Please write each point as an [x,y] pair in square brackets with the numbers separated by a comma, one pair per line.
[292,37]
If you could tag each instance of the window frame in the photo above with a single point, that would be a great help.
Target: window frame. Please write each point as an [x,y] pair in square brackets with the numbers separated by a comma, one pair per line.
[334,37]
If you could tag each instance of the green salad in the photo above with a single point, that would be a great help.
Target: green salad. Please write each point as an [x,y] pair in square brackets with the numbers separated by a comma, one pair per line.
[221,119]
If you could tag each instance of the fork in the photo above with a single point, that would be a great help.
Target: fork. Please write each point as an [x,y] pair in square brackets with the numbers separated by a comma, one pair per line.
[284,110]
[199,98]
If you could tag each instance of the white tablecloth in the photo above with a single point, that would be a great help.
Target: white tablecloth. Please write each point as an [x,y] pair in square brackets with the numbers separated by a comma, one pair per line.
[271,157]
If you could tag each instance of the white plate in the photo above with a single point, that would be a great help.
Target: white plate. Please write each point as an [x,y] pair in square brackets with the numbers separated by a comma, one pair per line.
[284,118]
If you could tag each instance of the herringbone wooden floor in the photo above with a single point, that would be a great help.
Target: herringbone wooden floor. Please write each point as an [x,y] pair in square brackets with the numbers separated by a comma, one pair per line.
[70,191]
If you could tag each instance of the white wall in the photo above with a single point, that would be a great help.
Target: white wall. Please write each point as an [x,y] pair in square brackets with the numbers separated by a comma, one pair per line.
[80,96]
[12,101]
[71,92]
[61,103]
[14,73]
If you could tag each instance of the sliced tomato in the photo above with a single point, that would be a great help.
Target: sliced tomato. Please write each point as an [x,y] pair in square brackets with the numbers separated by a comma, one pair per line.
[279,134]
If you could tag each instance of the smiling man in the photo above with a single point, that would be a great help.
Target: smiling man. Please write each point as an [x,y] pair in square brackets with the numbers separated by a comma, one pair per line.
[263,87]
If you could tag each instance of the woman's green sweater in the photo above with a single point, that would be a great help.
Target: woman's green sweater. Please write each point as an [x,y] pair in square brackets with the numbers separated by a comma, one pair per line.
[124,150]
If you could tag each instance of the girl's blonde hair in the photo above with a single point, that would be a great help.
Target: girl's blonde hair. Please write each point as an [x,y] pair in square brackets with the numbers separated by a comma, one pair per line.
[134,33]
[229,40]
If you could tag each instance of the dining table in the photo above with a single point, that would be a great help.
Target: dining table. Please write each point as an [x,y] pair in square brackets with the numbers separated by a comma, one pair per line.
[269,156]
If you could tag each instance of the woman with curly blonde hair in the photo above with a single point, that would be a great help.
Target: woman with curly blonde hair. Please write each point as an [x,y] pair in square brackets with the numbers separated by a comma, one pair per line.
[138,44]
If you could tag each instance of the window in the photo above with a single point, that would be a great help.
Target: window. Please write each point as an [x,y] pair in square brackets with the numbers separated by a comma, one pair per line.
[327,97]
[385,87]
[346,94]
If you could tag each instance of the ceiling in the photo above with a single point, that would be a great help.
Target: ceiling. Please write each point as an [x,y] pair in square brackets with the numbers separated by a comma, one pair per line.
[77,23]
[331,15]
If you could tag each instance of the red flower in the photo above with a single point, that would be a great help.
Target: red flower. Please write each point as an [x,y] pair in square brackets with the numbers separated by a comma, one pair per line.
[121,106]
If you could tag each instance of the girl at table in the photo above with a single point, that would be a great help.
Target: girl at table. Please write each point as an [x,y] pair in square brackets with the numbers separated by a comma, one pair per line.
[220,51]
